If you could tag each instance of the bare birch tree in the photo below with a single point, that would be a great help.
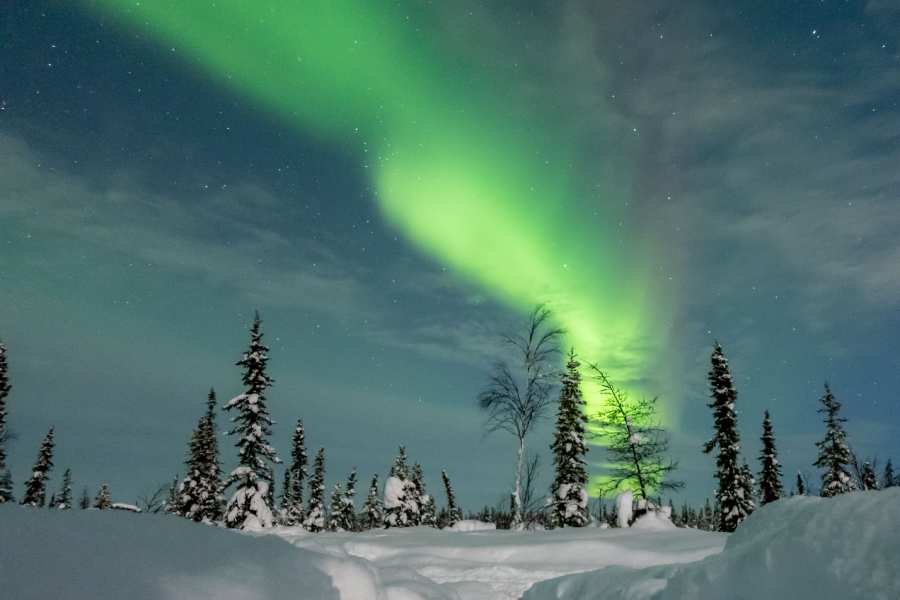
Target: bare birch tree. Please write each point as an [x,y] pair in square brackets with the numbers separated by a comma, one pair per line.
[517,397]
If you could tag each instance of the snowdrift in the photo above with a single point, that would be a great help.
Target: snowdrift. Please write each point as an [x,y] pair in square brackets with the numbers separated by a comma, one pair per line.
[799,548]
[422,563]
[111,555]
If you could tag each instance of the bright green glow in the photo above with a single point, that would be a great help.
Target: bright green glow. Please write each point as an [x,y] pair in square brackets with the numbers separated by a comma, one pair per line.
[494,197]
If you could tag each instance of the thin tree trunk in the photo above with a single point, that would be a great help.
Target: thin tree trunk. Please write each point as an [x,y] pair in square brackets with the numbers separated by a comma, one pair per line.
[517,494]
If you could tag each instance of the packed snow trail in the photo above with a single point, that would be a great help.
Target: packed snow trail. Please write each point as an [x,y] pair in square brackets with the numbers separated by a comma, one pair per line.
[500,565]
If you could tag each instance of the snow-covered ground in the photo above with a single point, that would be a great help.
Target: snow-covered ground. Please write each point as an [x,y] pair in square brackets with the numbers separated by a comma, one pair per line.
[499,565]
[801,548]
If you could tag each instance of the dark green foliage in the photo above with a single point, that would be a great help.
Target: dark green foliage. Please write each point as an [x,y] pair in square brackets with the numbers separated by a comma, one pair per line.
[452,515]
[314,520]
[6,484]
[36,486]
[103,500]
[732,494]
[770,475]
[372,515]
[569,500]
[292,513]
[889,479]
[200,492]
[64,497]
[253,497]
[834,454]
[868,478]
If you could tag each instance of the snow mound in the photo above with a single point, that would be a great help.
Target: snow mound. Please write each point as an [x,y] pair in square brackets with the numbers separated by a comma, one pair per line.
[800,548]
[471,525]
[99,555]
[653,521]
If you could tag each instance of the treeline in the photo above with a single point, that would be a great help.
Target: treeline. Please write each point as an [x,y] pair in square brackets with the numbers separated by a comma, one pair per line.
[200,494]
[520,391]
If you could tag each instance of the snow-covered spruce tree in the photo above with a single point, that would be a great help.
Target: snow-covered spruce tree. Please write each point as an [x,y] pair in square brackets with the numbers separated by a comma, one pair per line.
[425,503]
[372,516]
[770,487]
[85,502]
[401,508]
[293,513]
[103,500]
[64,497]
[888,479]
[199,495]
[731,495]
[453,512]
[192,487]
[834,454]
[212,502]
[251,505]
[173,503]
[568,503]
[6,484]
[801,485]
[347,516]
[334,510]
[36,486]
[868,479]
[314,519]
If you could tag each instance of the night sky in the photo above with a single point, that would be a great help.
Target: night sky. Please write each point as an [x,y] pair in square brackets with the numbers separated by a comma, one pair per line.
[393,184]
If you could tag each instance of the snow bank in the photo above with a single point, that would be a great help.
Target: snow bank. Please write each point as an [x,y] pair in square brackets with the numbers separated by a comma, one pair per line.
[100,555]
[800,548]
[471,525]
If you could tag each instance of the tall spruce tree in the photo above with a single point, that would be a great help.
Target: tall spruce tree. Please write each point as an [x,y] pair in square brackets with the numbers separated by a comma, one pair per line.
[834,454]
[770,476]
[335,509]
[868,478]
[427,511]
[212,502]
[294,511]
[888,479]
[314,520]
[103,500]
[36,486]
[569,499]
[64,497]
[373,510]
[251,505]
[801,485]
[417,496]
[453,512]
[348,508]
[732,492]
[6,484]
[199,496]
[85,502]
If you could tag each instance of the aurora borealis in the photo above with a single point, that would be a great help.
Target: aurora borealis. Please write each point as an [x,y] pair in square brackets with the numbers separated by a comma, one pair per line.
[492,196]
[392,184]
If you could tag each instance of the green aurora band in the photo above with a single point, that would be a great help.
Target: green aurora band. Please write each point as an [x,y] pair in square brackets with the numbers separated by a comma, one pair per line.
[491,193]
